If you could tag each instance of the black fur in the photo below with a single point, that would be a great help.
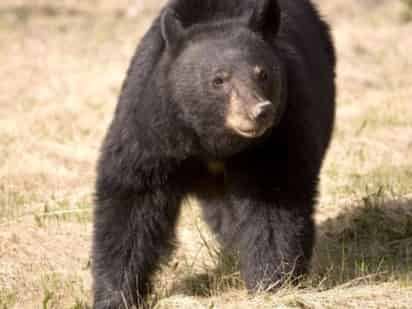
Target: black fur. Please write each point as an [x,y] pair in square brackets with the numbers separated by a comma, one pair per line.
[167,126]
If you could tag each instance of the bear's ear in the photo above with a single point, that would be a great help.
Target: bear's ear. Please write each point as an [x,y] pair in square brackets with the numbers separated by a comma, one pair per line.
[171,28]
[265,18]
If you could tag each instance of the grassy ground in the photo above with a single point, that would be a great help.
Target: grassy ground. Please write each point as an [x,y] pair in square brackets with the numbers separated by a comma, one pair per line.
[61,71]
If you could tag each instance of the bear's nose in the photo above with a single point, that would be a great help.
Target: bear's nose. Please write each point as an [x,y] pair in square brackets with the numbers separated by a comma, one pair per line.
[263,111]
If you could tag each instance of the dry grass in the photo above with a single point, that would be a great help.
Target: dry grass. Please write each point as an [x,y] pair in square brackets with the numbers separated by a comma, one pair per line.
[62,67]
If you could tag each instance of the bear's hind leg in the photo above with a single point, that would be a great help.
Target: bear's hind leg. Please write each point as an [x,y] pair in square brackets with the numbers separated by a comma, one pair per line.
[275,245]
[274,242]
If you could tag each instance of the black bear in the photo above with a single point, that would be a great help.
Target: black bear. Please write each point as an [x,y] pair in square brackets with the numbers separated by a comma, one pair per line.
[233,102]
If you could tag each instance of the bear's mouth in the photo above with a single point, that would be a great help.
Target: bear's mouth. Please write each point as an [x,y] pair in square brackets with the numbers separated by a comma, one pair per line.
[252,131]
[250,119]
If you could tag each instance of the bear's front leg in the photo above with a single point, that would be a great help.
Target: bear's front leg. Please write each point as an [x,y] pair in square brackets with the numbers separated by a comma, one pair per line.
[132,232]
[274,240]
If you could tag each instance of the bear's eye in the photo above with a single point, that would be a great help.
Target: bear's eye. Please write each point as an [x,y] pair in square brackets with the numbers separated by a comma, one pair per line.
[218,81]
[261,74]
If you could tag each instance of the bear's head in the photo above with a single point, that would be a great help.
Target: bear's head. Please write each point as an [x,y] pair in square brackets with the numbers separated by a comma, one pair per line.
[225,77]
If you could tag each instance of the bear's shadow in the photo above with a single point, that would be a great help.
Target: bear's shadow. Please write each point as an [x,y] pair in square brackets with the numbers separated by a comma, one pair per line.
[369,242]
